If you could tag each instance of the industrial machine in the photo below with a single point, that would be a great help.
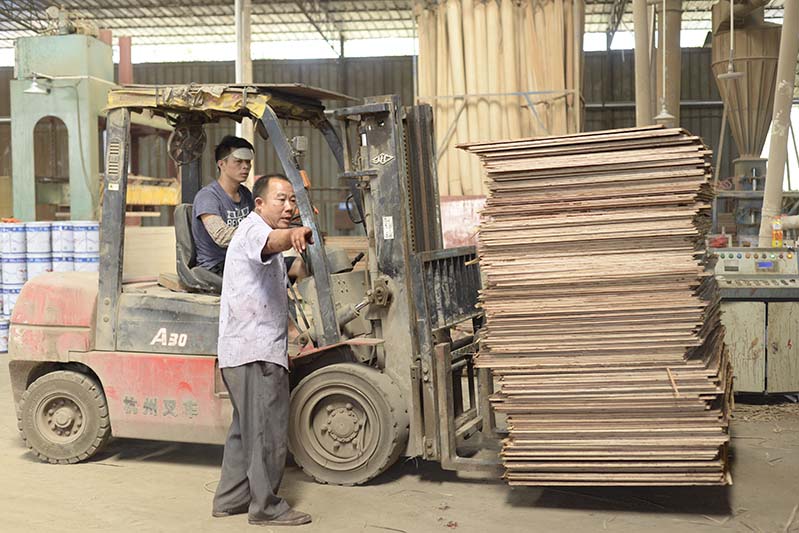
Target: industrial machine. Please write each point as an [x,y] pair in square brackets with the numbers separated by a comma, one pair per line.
[383,356]
[759,288]
[745,52]
[65,79]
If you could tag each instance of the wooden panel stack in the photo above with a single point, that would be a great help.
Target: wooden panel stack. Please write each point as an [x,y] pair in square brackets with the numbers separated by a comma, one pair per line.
[601,321]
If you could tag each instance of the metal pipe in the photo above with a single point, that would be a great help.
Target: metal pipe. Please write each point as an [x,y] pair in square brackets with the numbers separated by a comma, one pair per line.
[643,89]
[578,18]
[780,120]
[243,14]
[720,150]
[671,56]
[125,63]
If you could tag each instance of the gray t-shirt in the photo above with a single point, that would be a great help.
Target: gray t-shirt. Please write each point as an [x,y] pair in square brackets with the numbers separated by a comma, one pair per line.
[213,200]
[253,312]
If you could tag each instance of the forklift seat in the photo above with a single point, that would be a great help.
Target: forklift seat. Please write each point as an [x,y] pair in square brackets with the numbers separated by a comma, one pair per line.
[193,277]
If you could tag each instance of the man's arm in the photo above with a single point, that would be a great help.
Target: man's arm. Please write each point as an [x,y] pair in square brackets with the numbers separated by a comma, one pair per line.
[220,232]
[280,240]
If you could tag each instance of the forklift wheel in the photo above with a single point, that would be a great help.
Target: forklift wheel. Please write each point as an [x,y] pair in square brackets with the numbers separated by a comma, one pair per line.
[348,424]
[63,417]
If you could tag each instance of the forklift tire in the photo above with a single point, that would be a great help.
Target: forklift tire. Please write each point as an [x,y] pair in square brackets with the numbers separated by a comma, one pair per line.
[348,424]
[63,417]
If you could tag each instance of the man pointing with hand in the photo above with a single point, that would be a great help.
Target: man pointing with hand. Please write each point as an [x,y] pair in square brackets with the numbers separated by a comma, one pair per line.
[253,357]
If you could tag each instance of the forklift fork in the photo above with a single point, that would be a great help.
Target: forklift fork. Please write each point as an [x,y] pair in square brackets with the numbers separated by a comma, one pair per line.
[454,428]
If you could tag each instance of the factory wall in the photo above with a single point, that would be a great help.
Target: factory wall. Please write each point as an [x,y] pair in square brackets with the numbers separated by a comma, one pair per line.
[609,96]
[608,92]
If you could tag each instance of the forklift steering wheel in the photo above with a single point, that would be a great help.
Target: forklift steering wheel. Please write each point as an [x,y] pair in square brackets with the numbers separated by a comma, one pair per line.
[186,143]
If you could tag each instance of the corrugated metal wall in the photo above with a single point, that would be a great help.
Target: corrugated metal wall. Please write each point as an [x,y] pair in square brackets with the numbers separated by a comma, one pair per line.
[356,77]
[608,92]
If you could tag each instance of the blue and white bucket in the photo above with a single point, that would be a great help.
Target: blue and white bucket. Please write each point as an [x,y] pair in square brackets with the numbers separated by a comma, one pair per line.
[38,264]
[86,237]
[12,238]
[62,239]
[63,263]
[3,335]
[87,262]
[14,268]
[37,237]
[10,295]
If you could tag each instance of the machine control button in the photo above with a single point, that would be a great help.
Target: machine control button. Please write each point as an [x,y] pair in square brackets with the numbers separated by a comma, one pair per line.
[748,255]
[756,256]
[739,255]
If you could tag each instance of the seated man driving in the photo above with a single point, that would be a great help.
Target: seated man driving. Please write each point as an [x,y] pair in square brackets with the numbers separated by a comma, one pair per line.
[220,206]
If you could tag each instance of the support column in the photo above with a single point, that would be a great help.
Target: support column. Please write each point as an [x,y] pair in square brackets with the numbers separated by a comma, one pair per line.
[643,88]
[780,120]
[669,50]
[243,15]
[125,63]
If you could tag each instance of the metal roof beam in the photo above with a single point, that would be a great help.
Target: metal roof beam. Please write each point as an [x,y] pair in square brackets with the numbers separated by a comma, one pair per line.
[616,14]
[24,13]
[313,23]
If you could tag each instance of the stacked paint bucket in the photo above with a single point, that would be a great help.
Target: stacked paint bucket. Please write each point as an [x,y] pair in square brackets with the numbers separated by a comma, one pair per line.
[32,248]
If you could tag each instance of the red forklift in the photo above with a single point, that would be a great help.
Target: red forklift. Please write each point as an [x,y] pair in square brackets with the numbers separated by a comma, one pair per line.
[383,358]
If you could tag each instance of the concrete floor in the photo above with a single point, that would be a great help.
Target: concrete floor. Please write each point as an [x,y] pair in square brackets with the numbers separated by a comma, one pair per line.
[153,486]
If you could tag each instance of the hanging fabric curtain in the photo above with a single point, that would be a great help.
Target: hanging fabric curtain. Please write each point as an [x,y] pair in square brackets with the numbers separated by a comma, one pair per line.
[497,69]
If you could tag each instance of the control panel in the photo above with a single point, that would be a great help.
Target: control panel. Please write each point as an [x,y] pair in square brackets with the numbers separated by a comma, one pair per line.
[757,273]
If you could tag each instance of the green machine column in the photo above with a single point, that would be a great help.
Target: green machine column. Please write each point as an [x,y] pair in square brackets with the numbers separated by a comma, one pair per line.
[78,72]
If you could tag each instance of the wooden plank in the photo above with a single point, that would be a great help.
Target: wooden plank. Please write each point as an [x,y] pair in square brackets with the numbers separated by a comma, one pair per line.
[782,373]
[745,325]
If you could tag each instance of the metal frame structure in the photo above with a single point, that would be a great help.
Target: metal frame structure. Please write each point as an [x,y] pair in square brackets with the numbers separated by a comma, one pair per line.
[334,21]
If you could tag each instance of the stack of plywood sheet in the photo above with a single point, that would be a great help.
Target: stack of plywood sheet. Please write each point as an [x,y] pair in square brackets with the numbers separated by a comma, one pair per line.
[601,321]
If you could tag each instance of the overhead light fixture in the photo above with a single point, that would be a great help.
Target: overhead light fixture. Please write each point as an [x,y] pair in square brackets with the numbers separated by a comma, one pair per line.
[731,74]
[664,117]
[37,88]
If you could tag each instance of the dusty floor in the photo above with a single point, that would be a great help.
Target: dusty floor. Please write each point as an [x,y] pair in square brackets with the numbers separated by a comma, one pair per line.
[152,486]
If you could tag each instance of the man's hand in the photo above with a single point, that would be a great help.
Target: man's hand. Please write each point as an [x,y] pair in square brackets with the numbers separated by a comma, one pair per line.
[280,240]
[300,238]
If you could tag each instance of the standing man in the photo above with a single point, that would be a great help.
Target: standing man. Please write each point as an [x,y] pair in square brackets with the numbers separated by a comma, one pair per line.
[219,207]
[253,358]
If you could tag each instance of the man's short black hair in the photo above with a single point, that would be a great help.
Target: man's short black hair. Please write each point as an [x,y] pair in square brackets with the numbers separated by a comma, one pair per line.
[228,144]
[262,183]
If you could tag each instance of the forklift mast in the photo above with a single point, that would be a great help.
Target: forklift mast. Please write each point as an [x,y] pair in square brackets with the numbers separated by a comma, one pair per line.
[422,290]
